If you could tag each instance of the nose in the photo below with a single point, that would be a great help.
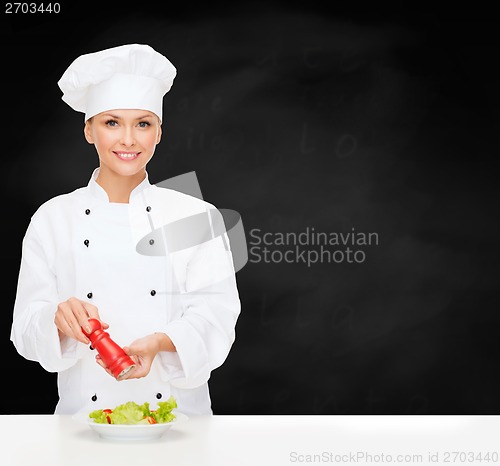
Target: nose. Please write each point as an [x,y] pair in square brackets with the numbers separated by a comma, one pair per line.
[127,137]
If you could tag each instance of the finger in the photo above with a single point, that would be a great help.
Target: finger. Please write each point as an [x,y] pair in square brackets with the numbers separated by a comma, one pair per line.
[131,374]
[138,373]
[99,361]
[63,318]
[93,313]
[78,333]
[67,325]
[81,337]
[63,326]
[78,316]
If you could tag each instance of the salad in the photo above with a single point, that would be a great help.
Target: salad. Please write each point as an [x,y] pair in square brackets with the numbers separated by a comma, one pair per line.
[133,413]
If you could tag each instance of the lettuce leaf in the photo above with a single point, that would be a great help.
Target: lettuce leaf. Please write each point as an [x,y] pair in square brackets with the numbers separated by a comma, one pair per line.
[99,416]
[163,412]
[129,413]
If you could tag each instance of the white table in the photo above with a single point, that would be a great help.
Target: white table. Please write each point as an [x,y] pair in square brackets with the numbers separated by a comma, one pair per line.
[52,440]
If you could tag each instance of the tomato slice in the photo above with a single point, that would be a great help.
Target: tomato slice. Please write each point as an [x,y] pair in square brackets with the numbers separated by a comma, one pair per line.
[107,412]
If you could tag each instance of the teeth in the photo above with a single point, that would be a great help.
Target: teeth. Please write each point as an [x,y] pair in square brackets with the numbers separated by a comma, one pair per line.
[128,155]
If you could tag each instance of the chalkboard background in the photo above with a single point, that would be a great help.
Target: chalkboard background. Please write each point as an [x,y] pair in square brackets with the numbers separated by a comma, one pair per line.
[301,119]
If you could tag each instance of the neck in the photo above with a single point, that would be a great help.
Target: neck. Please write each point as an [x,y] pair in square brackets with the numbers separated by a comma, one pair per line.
[118,187]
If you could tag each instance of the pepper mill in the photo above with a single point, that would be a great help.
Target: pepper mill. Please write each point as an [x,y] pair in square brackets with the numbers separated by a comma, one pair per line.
[113,356]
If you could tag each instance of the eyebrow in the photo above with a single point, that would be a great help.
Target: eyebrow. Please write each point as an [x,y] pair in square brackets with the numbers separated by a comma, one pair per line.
[116,117]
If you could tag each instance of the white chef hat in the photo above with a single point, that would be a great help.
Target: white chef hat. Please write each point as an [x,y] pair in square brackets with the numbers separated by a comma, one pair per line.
[133,76]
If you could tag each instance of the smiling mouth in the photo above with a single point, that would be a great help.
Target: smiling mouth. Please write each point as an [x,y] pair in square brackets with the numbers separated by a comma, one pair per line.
[127,155]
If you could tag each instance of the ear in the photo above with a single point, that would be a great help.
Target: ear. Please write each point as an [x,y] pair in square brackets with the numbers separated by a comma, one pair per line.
[158,137]
[88,132]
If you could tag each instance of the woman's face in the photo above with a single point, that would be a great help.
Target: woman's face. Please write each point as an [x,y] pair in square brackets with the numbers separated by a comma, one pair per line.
[124,139]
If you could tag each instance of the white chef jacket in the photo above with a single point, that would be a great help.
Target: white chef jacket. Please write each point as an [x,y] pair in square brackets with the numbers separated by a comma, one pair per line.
[80,244]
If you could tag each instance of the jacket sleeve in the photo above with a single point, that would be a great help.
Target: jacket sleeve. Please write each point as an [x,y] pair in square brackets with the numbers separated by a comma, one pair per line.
[33,331]
[205,332]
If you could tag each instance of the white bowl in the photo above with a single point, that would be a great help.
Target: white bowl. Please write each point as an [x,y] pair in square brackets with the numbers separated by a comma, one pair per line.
[127,431]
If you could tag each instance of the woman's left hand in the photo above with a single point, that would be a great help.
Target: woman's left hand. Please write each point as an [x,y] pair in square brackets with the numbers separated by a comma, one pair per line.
[142,351]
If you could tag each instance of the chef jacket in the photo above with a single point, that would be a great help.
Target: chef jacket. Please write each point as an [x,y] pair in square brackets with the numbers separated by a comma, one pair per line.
[80,244]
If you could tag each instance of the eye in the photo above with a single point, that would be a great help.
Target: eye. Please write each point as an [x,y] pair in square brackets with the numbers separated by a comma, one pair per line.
[144,124]
[111,123]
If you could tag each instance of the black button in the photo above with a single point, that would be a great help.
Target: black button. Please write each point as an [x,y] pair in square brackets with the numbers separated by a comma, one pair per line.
[86,242]
[153,292]
[89,295]
[158,396]
[148,208]
[151,242]
[91,347]
[87,211]
[94,398]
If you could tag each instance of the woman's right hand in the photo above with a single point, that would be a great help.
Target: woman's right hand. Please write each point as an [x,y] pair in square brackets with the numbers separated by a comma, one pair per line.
[72,315]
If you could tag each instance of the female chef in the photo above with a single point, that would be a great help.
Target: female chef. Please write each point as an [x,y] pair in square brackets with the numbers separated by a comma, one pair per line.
[110,251]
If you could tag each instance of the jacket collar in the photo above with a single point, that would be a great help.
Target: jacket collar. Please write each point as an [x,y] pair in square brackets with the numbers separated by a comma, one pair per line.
[98,192]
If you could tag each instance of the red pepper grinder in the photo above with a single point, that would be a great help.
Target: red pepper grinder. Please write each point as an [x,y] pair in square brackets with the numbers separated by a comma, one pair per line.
[116,360]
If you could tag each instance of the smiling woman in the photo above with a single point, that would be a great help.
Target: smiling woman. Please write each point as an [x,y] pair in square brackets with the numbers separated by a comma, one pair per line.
[176,313]
[125,141]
